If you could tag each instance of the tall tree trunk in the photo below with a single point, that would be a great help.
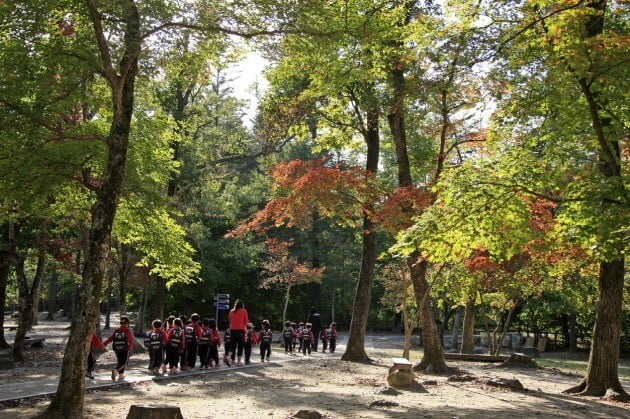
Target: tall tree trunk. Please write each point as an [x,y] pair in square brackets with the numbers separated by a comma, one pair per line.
[68,401]
[8,237]
[468,334]
[52,293]
[123,280]
[355,347]
[572,333]
[286,304]
[457,322]
[433,359]
[602,372]
[108,298]
[160,295]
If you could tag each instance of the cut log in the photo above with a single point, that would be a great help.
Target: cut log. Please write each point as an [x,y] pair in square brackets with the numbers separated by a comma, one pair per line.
[154,411]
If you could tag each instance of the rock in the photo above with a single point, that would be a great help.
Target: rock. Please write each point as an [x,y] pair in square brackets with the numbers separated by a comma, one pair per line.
[400,378]
[460,378]
[429,383]
[383,403]
[156,411]
[519,360]
[614,396]
[530,351]
[307,414]
[506,383]
[389,391]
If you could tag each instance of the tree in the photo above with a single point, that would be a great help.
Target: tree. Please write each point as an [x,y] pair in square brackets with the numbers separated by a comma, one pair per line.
[283,271]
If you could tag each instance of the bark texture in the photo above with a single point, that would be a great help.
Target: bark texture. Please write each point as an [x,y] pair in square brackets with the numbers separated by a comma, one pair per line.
[355,349]
[68,401]
[468,338]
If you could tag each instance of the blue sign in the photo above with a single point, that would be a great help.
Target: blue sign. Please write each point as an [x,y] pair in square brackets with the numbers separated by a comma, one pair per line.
[223,307]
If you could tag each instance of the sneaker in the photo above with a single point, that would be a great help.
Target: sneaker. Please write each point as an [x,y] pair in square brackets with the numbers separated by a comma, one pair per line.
[163,368]
[156,371]
[121,376]
[173,371]
[267,359]
[226,361]
[89,375]
[239,364]
[115,375]
[247,362]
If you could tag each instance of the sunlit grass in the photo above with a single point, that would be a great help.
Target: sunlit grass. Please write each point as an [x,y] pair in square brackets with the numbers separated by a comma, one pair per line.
[580,366]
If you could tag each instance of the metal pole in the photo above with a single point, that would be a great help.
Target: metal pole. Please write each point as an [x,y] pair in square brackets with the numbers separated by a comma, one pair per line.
[217,312]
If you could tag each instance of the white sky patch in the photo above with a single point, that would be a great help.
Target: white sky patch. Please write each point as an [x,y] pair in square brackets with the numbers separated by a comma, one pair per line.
[248,83]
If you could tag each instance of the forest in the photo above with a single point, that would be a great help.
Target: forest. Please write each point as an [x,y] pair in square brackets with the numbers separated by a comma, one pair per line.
[413,165]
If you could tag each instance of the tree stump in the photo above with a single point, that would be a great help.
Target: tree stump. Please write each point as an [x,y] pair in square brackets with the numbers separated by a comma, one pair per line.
[154,411]
[400,375]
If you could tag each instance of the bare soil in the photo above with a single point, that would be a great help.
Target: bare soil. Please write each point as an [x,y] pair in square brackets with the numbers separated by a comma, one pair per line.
[322,382]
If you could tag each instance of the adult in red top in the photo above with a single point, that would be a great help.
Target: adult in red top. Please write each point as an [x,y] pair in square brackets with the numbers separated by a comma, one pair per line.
[238,325]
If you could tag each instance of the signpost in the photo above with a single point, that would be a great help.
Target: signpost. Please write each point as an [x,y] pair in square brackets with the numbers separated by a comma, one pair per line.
[221,302]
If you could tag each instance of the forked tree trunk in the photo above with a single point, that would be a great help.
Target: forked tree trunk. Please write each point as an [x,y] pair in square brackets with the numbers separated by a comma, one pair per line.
[8,235]
[506,326]
[355,347]
[26,297]
[68,401]
[468,334]
[52,293]
[433,359]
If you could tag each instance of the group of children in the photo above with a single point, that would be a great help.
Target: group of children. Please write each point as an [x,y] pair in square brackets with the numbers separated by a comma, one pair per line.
[178,341]
[303,336]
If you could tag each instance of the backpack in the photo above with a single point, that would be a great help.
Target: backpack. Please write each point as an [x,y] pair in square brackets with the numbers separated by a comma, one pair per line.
[330,334]
[176,339]
[120,341]
[265,336]
[288,332]
[306,335]
[147,340]
[155,339]
[206,336]
[191,336]
[228,336]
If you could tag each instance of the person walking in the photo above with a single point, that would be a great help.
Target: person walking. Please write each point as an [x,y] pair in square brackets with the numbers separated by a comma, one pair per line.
[316,326]
[238,325]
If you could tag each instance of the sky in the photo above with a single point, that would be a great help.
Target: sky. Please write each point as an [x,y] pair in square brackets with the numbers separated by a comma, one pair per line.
[247,78]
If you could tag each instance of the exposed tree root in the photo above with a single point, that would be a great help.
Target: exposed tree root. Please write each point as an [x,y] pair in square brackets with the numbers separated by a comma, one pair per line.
[615,392]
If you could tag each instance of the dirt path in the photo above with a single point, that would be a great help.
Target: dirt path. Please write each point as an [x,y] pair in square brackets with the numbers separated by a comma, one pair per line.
[324,383]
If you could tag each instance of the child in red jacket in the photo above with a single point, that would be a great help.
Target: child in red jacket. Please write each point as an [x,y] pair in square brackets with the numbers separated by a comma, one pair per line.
[307,338]
[332,336]
[265,337]
[157,344]
[192,332]
[250,339]
[91,361]
[175,345]
[209,337]
[214,341]
[122,345]
[287,335]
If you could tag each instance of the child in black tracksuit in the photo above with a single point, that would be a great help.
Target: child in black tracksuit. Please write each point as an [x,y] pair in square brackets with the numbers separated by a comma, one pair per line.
[307,339]
[215,342]
[250,339]
[192,333]
[299,331]
[332,336]
[157,340]
[175,345]
[287,335]
[227,339]
[265,337]
[122,345]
